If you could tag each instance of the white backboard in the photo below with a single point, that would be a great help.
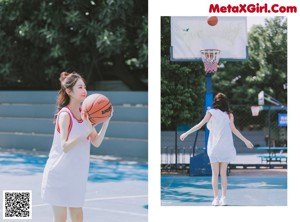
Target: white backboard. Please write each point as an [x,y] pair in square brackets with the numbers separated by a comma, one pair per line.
[189,35]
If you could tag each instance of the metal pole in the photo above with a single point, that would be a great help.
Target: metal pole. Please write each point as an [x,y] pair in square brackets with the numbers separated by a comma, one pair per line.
[269,141]
[208,101]
[176,148]
[195,141]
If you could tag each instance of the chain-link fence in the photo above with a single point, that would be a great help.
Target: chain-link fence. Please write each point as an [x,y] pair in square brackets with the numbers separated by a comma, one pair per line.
[268,129]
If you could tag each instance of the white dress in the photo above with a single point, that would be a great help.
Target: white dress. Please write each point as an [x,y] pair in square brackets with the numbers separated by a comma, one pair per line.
[65,174]
[220,147]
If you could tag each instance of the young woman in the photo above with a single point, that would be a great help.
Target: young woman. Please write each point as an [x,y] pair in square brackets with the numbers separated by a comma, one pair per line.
[66,171]
[220,147]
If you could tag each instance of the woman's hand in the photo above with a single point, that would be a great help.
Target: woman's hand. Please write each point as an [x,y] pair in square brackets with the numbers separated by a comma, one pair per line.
[183,136]
[85,117]
[112,112]
[111,115]
[249,144]
[97,138]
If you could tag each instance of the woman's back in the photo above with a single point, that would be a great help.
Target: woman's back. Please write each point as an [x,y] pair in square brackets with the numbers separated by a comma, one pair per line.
[220,145]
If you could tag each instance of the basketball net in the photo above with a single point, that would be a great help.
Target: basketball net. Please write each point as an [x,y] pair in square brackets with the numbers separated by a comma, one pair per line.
[210,58]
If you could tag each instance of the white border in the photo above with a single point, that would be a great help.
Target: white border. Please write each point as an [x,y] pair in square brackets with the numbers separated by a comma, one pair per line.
[232,214]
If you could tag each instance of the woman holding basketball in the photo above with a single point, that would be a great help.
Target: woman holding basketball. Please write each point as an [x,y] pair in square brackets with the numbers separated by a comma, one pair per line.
[66,171]
[220,147]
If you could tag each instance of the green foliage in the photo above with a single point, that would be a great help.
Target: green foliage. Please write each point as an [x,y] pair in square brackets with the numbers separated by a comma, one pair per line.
[181,98]
[41,38]
[183,84]
[271,59]
[181,88]
[265,70]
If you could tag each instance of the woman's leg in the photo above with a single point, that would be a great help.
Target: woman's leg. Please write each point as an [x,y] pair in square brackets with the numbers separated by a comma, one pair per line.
[60,214]
[214,180]
[223,173]
[76,214]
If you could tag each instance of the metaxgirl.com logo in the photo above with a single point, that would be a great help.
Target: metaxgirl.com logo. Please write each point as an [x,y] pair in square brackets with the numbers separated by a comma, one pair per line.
[252,8]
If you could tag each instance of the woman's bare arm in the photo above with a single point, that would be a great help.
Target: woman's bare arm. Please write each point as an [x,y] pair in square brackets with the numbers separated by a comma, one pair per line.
[238,134]
[205,119]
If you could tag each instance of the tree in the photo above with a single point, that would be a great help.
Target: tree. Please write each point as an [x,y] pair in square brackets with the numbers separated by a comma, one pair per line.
[266,69]
[101,39]
[268,48]
[181,88]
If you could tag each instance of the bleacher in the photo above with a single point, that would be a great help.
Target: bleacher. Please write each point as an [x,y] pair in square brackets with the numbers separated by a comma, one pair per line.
[26,122]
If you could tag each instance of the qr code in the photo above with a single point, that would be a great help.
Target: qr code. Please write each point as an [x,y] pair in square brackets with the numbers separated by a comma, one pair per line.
[17,204]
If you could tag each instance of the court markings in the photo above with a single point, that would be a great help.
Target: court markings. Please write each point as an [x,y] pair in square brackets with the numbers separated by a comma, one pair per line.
[108,210]
[117,197]
[116,211]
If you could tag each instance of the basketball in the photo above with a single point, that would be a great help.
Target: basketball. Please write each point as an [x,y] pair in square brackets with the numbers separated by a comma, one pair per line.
[98,107]
[212,20]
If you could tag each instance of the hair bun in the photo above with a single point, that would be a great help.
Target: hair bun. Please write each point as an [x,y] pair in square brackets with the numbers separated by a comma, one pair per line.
[62,77]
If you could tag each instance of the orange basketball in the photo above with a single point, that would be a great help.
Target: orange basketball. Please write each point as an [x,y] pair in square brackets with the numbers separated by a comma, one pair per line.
[98,107]
[212,20]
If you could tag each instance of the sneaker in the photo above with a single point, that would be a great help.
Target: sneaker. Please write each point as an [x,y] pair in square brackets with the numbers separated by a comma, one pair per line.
[215,202]
[223,201]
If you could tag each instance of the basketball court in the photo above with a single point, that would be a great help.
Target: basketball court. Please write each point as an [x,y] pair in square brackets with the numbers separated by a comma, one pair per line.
[243,190]
[210,40]
[116,188]
[118,177]
[246,187]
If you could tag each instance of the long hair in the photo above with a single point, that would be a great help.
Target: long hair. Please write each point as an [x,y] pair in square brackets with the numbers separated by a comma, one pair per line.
[67,81]
[221,103]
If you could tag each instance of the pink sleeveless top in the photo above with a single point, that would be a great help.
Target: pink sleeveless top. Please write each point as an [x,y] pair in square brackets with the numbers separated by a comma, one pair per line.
[65,174]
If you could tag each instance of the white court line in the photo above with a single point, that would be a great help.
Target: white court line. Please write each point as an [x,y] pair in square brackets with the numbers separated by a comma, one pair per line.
[40,205]
[117,197]
[102,198]
[116,211]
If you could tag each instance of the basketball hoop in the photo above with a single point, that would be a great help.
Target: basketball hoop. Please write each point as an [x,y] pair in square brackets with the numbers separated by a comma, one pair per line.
[255,110]
[210,58]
